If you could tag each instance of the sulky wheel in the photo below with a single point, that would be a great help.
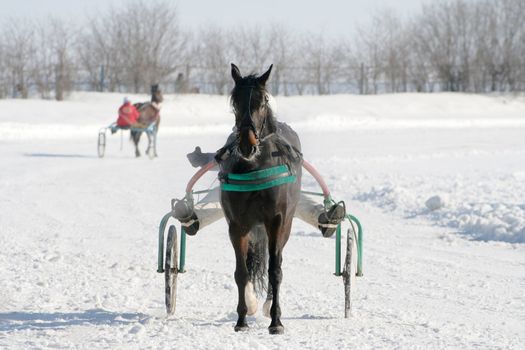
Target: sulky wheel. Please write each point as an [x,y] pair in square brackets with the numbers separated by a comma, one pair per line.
[171,270]
[101,145]
[350,269]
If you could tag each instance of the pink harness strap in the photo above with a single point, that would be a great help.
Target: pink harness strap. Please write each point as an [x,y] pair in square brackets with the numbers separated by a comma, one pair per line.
[199,174]
[310,168]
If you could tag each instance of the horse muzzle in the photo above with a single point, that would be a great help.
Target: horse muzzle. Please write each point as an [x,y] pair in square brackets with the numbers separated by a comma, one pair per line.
[248,142]
[252,138]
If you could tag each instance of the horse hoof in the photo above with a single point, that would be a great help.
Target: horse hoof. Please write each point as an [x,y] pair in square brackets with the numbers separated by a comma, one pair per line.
[243,328]
[276,329]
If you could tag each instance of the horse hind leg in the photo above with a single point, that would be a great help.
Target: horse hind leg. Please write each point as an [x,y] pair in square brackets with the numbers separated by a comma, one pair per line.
[257,267]
[135,136]
[275,276]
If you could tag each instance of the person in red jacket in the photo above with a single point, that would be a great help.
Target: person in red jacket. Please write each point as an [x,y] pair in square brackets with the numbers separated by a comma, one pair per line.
[127,114]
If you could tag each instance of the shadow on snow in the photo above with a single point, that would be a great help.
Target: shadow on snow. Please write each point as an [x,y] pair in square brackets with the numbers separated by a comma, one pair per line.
[14,321]
[57,155]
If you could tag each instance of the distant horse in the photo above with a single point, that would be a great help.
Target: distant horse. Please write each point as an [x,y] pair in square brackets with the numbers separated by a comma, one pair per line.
[259,220]
[149,117]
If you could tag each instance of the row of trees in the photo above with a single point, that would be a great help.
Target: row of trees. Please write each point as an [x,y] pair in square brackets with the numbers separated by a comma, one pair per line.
[456,45]
[36,55]
[450,46]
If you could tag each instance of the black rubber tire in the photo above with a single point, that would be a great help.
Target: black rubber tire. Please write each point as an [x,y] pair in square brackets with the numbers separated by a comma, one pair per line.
[171,270]
[350,270]
[101,144]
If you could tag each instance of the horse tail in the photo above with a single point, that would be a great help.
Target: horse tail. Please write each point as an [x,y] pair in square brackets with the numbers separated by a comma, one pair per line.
[257,258]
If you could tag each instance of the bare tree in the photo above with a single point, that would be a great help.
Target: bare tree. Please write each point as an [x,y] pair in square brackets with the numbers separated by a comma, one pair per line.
[4,81]
[215,54]
[42,68]
[137,45]
[451,45]
[283,56]
[319,59]
[18,47]
[369,49]
[54,63]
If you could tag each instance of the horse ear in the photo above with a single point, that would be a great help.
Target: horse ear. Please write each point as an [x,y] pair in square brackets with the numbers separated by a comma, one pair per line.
[264,78]
[236,74]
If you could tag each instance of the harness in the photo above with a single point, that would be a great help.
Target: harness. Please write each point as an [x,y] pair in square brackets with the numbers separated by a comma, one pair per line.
[257,180]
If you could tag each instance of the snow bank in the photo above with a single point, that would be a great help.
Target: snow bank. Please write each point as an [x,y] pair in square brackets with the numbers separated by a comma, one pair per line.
[464,207]
[84,113]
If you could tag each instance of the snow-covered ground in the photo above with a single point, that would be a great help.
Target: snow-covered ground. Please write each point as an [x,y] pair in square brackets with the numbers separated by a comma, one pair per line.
[438,182]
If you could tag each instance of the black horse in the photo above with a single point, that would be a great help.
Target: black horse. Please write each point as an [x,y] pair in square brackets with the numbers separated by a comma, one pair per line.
[260,220]
[149,117]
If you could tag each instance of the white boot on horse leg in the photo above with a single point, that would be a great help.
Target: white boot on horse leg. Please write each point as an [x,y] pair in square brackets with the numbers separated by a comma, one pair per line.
[251,299]
[266,308]
[268,302]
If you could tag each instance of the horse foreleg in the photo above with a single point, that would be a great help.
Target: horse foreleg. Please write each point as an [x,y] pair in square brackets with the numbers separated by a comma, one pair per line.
[275,275]
[240,242]
[148,134]
[152,144]
[155,137]
[155,144]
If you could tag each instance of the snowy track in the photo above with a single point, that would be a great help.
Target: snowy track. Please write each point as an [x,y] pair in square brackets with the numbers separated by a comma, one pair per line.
[78,234]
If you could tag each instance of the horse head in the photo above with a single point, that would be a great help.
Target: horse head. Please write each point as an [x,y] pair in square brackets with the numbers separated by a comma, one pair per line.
[156,94]
[253,115]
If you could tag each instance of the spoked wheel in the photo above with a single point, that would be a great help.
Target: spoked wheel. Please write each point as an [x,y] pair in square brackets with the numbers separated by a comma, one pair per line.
[350,269]
[101,145]
[171,270]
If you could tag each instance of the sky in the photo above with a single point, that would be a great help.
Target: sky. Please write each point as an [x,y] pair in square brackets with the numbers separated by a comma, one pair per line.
[333,17]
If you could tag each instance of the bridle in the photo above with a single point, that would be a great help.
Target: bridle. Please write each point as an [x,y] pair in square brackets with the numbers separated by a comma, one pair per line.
[250,118]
